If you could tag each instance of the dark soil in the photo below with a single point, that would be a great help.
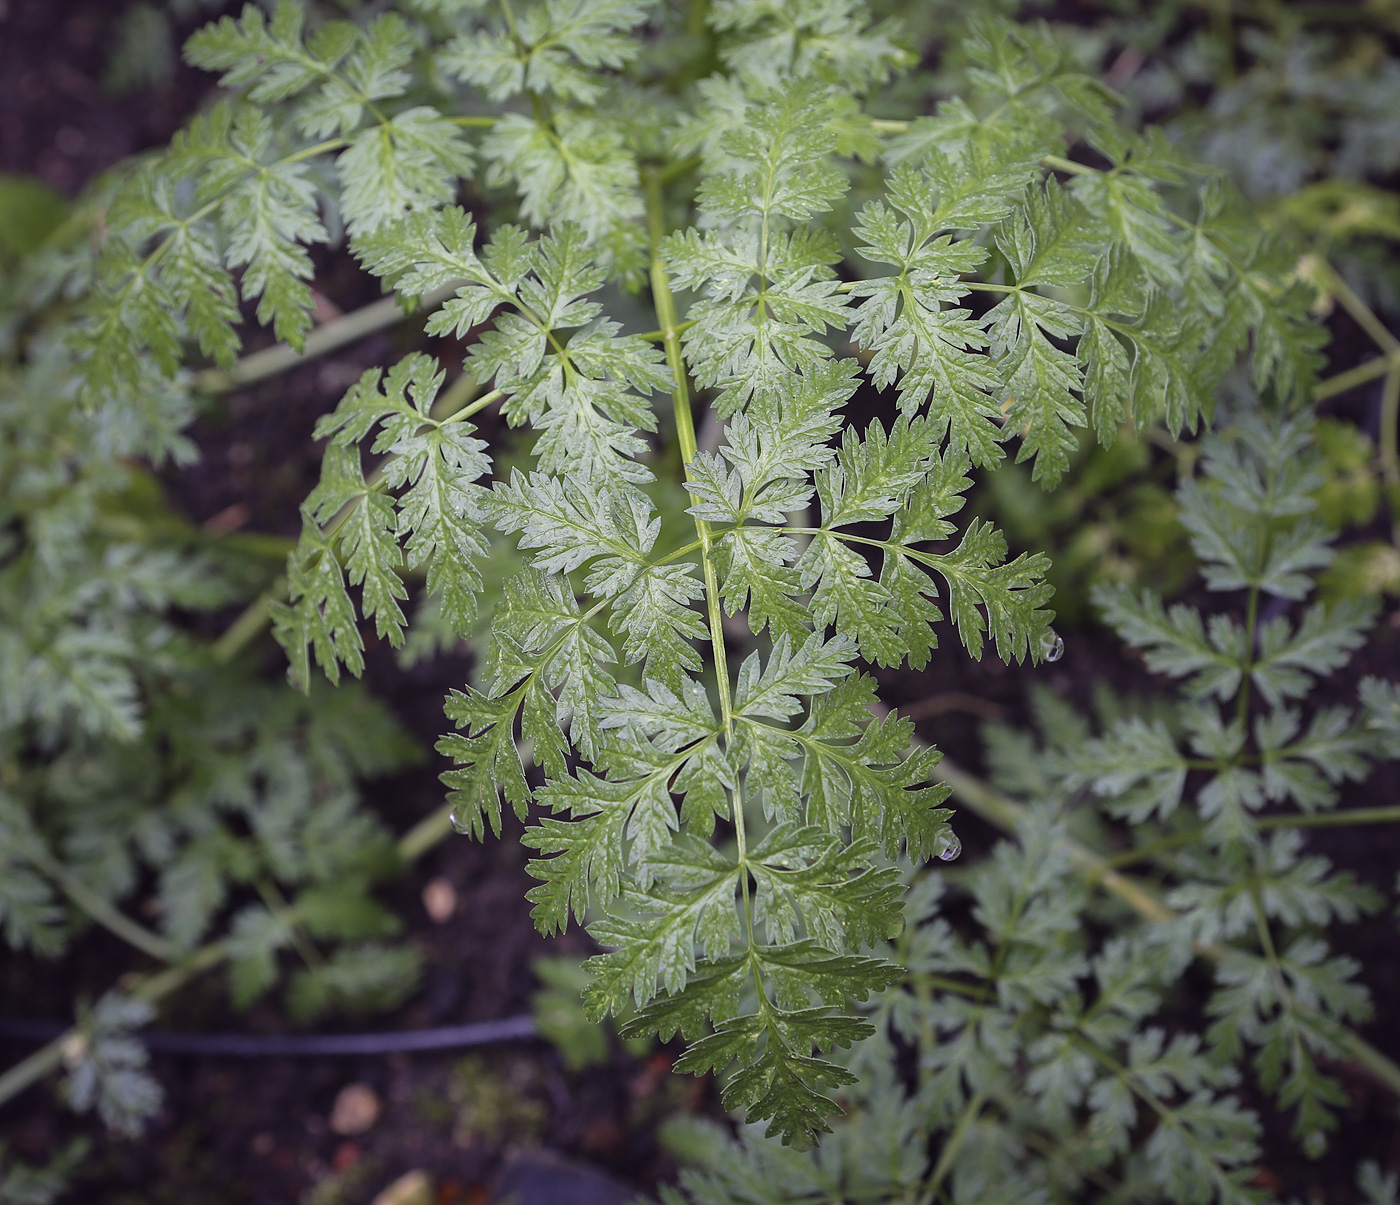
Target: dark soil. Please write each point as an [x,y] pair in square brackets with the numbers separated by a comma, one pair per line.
[253,1132]
[57,120]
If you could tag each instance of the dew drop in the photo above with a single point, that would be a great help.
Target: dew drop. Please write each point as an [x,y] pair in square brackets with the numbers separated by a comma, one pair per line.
[1052,648]
[460,823]
[952,847]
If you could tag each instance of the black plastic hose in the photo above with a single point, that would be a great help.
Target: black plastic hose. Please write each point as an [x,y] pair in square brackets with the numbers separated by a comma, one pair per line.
[310,1045]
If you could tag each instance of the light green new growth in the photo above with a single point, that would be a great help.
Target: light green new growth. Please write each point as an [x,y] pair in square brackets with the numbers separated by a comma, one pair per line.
[726,818]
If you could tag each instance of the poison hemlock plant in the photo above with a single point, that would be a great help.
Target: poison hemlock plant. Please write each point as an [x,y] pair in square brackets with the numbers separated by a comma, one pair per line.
[1042,1033]
[722,809]
[1297,103]
[146,772]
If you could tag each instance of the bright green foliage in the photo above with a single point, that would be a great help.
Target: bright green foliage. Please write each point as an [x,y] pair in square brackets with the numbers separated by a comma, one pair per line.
[722,818]
[672,627]
[240,195]
[1038,1051]
[573,165]
[1135,337]
[586,398]
[1048,1060]
[436,462]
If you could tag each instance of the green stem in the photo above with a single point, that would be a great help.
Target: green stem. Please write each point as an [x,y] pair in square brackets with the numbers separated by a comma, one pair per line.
[1390,412]
[1353,377]
[1328,819]
[250,622]
[701,50]
[672,171]
[456,403]
[99,909]
[306,152]
[697,16]
[950,1148]
[1143,853]
[509,15]
[1251,624]
[434,827]
[35,1066]
[924,980]
[685,435]
[1363,314]
[152,989]
[326,338]
[1058,163]
[659,336]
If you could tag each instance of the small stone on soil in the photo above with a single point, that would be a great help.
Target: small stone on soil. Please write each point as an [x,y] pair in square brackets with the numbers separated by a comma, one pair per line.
[543,1178]
[439,900]
[356,1108]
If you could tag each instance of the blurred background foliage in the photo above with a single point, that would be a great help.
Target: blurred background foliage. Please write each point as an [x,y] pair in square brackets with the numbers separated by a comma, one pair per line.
[1298,104]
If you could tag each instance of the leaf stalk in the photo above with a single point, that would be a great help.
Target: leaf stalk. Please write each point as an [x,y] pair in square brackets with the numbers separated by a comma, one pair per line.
[1008,815]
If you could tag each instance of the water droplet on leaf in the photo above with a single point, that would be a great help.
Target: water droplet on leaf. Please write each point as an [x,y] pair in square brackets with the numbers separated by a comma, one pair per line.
[459,822]
[952,847]
[1052,648]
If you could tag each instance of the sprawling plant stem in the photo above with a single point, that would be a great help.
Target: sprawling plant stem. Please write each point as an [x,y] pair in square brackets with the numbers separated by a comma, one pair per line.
[331,336]
[1009,816]
[670,327]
